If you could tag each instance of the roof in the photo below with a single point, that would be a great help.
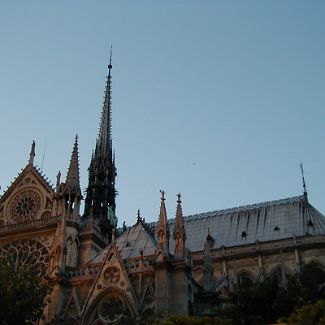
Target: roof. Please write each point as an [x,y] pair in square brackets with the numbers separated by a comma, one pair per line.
[267,221]
[130,243]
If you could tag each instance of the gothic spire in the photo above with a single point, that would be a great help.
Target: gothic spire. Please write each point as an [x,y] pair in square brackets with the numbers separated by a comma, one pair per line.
[179,231]
[104,140]
[72,181]
[101,193]
[163,221]
[163,229]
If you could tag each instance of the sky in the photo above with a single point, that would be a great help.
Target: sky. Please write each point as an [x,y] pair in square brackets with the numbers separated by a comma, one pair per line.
[217,100]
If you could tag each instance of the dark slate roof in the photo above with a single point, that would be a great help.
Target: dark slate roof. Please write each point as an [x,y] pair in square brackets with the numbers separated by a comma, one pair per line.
[265,221]
[130,243]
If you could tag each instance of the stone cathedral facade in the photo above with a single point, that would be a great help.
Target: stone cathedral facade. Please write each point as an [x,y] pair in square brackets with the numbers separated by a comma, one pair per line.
[101,274]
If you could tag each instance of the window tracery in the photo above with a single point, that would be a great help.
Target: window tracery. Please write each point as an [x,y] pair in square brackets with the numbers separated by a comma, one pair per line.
[24,205]
[112,309]
[26,252]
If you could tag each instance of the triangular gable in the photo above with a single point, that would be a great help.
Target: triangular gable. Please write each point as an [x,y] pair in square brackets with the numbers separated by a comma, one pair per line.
[30,181]
[32,170]
[112,275]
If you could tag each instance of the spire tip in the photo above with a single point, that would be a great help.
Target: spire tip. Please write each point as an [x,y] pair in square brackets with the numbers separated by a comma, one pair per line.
[32,153]
[110,59]
[303,179]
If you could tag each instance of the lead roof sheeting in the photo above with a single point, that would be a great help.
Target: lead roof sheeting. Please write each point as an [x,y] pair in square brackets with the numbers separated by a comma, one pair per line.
[259,221]
[255,222]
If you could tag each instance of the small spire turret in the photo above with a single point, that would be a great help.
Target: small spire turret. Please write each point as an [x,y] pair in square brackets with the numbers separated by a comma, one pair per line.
[32,154]
[163,229]
[179,231]
[73,181]
[69,193]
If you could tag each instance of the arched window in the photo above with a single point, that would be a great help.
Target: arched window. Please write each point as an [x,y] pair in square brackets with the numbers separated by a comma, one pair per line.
[110,309]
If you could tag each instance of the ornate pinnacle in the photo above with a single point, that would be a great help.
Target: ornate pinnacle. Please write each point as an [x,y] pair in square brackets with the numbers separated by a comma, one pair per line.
[72,180]
[32,154]
[162,195]
[138,216]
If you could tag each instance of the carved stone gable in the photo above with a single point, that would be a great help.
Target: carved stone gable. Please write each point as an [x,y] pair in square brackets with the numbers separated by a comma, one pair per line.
[111,286]
[29,198]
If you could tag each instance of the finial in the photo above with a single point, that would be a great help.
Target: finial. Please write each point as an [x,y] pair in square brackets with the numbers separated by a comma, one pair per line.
[139,216]
[110,59]
[58,179]
[303,179]
[179,198]
[162,195]
[32,154]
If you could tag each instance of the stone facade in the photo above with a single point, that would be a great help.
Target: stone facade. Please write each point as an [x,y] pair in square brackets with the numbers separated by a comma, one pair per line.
[101,274]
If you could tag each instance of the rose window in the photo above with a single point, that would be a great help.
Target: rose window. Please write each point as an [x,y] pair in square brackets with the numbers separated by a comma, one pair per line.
[26,252]
[112,274]
[112,309]
[25,205]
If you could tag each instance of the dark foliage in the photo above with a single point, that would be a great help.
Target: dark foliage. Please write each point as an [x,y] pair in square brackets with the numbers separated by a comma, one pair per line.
[22,295]
[268,301]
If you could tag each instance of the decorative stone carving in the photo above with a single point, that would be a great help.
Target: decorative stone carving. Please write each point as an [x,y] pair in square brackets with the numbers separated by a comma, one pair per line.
[112,274]
[24,205]
[111,309]
[26,252]
[46,240]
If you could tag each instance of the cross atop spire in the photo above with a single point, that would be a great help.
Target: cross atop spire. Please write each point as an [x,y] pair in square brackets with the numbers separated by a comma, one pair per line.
[163,213]
[110,59]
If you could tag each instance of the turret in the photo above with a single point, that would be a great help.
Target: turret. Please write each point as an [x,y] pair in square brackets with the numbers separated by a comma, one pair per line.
[68,194]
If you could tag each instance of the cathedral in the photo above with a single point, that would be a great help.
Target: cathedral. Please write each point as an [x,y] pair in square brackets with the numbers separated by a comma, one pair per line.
[102,274]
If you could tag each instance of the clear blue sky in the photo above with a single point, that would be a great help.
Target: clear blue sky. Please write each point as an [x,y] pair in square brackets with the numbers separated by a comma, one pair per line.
[218,100]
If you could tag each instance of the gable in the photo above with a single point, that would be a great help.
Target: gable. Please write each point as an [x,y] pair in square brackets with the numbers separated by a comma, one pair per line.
[112,278]
[29,197]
